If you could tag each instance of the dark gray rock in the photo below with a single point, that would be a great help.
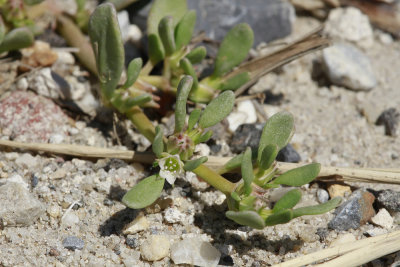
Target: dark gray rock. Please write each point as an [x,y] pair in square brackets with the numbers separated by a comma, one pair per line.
[354,212]
[390,119]
[288,154]
[389,199]
[345,65]
[246,135]
[73,242]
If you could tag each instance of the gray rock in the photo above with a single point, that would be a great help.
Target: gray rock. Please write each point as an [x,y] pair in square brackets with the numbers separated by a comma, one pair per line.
[345,65]
[73,242]
[389,199]
[195,251]
[17,206]
[322,195]
[354,212]
[390,119]
[246,135]
[288,154]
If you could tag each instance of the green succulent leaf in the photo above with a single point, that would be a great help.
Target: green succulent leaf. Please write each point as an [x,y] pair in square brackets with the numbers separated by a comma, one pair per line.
[158,142]
[247,203]
[2,30]
[235,82]
[278,130]
[105,36]
[193,164]
[205,137]
[217,109]
[318,209]
[144,193]
[234,49]
[287,201]
[184,29]
[279,218]
[138,101]
[235,196]
[16,39]
[184,87]
[268,156]
[124,103]
[247,217]
[299,176]
[156,49]
[162,8]
[166,33]
[189,70]
[193,118]
[133,72]
[247,171]
[197,54]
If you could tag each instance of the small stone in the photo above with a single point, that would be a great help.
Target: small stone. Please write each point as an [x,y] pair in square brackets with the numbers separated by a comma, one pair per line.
[337,190]
[383,219]
[226,260]
[345,65]
[376,231]
[245,113]
[70,219]
[159,205]
[195,251]
[58,174]
[54,211]
[16,178]
[322,195]
[195,182]
[155,248]
[140,223]
[27,160]
[390,119]
[354,212]
[322,233]
[349,24]
[389,199]
[38,55]
[73,242]
[288,154]
[17,206]
[246,135]
[343,239]
[173,215]
[131,242]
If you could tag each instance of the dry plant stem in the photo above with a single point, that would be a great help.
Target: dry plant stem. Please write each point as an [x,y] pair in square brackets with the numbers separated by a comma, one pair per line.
[214,179]
[75,38]
[142,123]
[351,254]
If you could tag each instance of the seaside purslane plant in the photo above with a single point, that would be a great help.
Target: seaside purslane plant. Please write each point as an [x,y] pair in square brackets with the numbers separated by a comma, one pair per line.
[175,153]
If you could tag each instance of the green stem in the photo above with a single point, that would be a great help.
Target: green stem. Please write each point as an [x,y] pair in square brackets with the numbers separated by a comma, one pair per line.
[155,80]
[142,123]
[215,179]
[147,68]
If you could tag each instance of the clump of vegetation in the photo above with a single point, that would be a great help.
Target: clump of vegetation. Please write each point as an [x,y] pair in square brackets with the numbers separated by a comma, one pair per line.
[168,42]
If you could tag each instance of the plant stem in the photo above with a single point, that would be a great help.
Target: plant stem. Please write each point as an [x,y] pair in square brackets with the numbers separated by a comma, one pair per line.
[142,123]
[155,80]
[147,68]
[215,179]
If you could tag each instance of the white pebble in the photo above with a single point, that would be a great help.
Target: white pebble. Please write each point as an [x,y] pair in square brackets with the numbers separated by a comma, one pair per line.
[383,219]
[155,248]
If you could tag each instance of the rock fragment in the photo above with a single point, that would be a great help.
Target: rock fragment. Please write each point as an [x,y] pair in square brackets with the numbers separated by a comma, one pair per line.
[390,119]
[389,199]
[155,247]
[195,251]
[383,219]
[73,243]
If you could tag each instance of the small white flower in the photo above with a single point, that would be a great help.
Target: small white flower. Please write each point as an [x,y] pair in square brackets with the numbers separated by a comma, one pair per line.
[171,167]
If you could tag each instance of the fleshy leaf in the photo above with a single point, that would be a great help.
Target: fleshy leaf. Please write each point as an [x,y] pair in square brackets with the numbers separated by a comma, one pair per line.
[17,39]
[247,203]
[193,118]
[268,156]
[247,217]
[105,36]
[133,72]
[287,201]
[299,176]
[2,30]
[235,82]
[247,171]
[184,87]
[193,164]
[189,70]
[124,103]
[317,209]
[277,131]
[156,49]
[144,193]
[197,55]
[163,8]
[158,142]
[184,29]
[166,33]
[217,109]
[279,218]
[204,138]
[234,49]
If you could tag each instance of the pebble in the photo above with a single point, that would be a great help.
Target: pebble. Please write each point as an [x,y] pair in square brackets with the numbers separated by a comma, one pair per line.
[343,239]
[70,219]
[18,207]
[338,190]
[322,195]
[54,211]
[390,119]
[195,182]
[73,242]
[195,251]
[27,160]
[246,135]
[389,199]
[58,174]
[16,178]
[155,247]
[173,215]
[131,242]
[244,113]
[376,231]
[354,212]
[288,154]
[140,223]
[129,32]
[345,65]
[213,198]
[383,219]
[349,24]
